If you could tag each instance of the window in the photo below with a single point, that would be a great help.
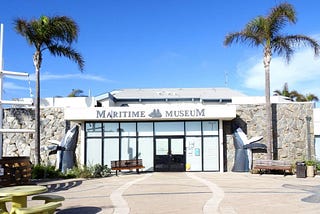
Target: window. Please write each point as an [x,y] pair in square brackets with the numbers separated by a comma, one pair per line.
[210,128]
[111,129]
[93,152]
[169,128]
[94,129]
[193,128]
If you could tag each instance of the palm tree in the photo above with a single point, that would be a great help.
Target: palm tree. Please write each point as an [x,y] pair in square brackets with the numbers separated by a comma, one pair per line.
[76,93]
[264,31]
[296,96]
[55,34]
[284,92]
[307,98]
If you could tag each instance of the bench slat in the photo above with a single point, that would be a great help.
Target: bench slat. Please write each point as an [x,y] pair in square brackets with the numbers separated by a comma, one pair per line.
[272,165]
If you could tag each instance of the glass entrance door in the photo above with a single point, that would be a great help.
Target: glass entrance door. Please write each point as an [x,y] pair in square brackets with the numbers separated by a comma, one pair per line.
[169,154]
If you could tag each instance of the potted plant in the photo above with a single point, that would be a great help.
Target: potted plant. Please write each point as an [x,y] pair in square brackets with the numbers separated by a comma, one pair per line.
[311,168]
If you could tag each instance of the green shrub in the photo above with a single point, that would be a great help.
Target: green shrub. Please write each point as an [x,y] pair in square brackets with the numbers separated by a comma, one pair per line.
[79,172]
[99,171]
[311,163]
[318,165]
[95,171]
[41,172]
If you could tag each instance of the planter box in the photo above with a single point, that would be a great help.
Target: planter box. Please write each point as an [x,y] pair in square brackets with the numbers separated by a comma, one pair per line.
[310,171]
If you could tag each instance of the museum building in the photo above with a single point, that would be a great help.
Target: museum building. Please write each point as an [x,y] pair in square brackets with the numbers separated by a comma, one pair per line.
[170,129]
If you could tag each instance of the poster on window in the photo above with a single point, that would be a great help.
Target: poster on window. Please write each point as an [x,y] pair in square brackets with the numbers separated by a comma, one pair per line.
[194,156]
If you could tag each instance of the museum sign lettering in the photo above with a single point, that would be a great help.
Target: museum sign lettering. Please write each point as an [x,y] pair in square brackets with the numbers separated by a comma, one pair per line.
[153,113]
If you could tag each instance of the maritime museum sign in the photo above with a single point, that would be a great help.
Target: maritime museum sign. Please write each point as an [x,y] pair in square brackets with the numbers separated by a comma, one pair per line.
[152,112]
[155,113]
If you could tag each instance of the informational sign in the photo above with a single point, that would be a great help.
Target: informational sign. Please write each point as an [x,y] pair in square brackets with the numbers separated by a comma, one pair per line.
[152,112]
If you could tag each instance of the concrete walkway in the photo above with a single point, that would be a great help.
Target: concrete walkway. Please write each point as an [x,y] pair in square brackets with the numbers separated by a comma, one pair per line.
[188,192]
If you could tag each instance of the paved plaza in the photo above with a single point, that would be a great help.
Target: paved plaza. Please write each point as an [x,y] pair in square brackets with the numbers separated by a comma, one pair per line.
[188,192]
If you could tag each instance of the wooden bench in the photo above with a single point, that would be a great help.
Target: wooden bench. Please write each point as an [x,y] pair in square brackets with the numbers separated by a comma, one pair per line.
[48,198]
[126,165]
[48,208]
[268,165]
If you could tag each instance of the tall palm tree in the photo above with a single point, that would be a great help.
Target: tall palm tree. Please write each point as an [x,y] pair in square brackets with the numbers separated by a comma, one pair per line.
[55,34]
[265,31]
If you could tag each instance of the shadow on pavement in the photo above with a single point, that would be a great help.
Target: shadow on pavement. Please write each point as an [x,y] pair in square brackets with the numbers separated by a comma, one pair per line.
[62,186]
[313,190]
[80,210]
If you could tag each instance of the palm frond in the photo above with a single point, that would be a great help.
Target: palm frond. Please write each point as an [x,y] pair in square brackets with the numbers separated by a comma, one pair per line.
[63,29]
[69,52]
[298,40]
[279,16]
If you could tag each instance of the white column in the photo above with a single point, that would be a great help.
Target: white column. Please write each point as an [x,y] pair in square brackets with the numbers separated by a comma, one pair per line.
[221,144]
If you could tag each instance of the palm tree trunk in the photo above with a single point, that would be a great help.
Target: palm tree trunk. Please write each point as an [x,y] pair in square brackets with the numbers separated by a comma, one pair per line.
[37,63]
[266,62]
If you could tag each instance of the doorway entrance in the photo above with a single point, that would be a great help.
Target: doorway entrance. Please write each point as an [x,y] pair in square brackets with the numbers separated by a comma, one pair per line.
[169,154]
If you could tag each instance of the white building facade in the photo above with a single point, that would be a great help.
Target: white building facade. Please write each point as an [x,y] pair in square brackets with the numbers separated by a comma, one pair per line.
[169,129]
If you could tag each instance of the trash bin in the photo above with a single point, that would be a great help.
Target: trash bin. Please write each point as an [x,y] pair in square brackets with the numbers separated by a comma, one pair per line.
[301,170]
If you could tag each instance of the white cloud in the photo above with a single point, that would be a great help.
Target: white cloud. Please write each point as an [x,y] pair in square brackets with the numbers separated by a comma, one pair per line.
[301,74]
[13,86]
[49,76]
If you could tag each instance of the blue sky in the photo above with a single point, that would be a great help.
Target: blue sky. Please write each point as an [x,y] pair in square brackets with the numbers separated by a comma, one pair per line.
[157,43]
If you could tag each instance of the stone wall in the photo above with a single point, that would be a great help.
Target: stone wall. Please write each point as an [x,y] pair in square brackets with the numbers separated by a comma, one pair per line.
[292,130]
[53,127]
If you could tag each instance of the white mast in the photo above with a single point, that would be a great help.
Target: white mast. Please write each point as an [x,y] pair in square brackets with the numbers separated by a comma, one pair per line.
[1,88]
[13,73]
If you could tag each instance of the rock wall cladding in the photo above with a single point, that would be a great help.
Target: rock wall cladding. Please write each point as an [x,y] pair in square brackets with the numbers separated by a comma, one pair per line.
[53,127]
[292,129]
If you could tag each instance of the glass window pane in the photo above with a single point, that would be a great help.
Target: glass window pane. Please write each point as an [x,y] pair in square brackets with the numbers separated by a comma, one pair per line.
[193,154]
[111,150]
[111,129]
[193,128]
[146,152]
[177,146]
[162,147]
[169,128]
[210,128]
[93,152]
[145,129]
[128,129]
[94,129]
[211,153]
[128,148]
